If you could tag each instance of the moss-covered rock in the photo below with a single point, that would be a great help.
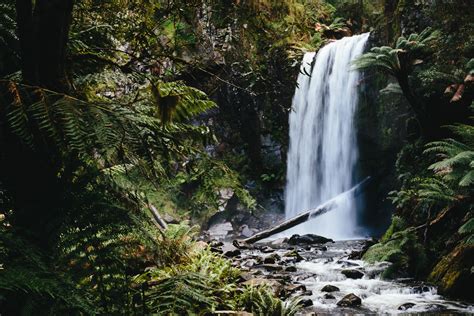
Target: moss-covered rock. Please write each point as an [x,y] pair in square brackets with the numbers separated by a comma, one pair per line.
[453,273]
[403,250]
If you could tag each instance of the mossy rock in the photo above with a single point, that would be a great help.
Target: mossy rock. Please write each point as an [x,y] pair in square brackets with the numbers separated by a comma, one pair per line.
[453,273]
[403,250]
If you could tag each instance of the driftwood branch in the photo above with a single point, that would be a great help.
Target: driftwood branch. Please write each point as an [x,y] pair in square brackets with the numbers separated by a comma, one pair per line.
[307,215]
[156,216]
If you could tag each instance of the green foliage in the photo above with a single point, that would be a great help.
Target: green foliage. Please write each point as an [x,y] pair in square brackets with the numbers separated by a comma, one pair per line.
[397,224]
[399,60]
[467,228]
[8,38]
[259,300]
[403,250]
[177,101]
[456,157]
[28,277]
[180,295]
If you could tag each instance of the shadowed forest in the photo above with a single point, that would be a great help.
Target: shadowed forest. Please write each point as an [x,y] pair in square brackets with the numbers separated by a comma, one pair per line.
[143,142]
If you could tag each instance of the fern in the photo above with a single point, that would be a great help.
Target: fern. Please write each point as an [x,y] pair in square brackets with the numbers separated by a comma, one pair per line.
[179,102]
[180,295]
[402,57]
[455,157]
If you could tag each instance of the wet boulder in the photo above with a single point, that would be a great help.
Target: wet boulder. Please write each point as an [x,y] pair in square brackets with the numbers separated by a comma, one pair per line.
[245,231]
[308,239]
[230,250]
[352,274]
[290,269]
[294,254]
[290,289]
[306,302]
[273,258]
[329,288]
[350,300]
[329,296]
[405,306]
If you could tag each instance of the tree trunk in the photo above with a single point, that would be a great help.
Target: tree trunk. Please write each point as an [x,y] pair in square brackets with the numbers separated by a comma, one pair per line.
[43,30]
[416,106]
[307,215]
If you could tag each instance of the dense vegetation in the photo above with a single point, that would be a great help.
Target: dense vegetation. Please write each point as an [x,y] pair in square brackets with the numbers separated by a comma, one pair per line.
[111,110]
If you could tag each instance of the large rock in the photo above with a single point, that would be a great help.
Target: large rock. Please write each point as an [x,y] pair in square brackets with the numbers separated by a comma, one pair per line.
[230,250]
[350,300]
[352,274]
[294,254]
[273,258]
[329,288]
[405,306]
[308,239]
[454,274]
[220,231]
[306,302]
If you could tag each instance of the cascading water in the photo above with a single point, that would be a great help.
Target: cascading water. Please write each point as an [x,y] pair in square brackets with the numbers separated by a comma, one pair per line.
[323,147]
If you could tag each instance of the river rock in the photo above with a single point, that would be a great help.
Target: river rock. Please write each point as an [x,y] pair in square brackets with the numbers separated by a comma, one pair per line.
[170,219]
[306,302]
[308,239]
[267,249]
[405,306]
[216,243]
[329,288]
[291,269]
[221,230]
[272,267]
[329,296]
[294,254]
[230,250]
[246,232]
[290,289]
[352,274]
[350,300]
[273,258]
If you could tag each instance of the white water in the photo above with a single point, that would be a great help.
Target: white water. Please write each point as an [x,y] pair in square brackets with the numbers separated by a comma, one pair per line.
[323,148]
[378,296]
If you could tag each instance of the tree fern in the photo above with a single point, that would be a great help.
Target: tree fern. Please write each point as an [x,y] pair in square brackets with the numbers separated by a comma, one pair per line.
[455,157]
[400,59]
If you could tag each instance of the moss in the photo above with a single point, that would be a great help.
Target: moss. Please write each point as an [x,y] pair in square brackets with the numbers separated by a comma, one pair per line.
[403,250]
[397,224]
[453,274]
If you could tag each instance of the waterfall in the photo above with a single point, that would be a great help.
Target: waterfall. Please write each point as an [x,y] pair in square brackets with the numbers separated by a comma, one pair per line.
[323,149]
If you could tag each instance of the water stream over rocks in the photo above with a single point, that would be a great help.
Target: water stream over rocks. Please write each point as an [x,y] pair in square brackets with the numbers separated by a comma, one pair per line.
[331,284]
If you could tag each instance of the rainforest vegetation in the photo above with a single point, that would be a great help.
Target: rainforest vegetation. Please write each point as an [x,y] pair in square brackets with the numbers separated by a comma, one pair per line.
[127,125]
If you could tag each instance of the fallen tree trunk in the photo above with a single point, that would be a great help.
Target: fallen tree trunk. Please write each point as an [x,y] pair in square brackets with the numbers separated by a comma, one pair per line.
[161,224]
[305,216]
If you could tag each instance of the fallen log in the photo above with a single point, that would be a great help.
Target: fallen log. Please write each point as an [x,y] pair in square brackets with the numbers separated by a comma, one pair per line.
[161,224]
[306,215]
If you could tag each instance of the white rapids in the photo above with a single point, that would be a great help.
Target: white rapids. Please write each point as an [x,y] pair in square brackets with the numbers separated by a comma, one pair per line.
[323,150]
[378,296]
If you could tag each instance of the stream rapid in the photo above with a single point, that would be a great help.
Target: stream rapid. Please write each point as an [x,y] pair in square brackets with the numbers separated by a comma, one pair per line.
[322,265]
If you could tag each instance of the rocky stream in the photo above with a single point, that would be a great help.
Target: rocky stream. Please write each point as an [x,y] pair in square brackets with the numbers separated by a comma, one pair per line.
[330,278]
